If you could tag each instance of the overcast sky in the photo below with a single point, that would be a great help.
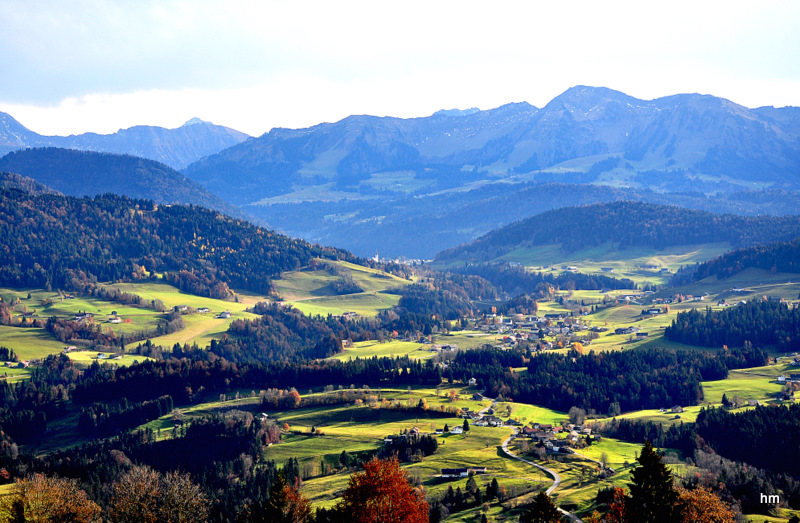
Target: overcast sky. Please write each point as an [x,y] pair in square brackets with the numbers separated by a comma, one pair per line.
[74,66]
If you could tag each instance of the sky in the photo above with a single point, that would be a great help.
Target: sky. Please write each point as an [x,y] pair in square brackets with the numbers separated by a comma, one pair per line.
[72,66]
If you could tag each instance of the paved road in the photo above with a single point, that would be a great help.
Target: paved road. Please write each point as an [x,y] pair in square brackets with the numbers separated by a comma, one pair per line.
[556,477]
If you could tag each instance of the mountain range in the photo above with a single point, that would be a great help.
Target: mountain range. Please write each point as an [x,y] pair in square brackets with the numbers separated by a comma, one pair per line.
[174,147]
[417,186]
[612,138]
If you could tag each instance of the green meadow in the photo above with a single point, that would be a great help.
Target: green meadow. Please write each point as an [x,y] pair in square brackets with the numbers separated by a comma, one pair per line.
[626,263]
[88,357]
[745,385]
[310,291]
[364,304]
[28,342]
[391,349]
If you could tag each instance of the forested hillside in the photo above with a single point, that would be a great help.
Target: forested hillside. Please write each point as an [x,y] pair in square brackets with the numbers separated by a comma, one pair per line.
[761,322]
[85,173]
[52,241]
[773,257]
[626,224]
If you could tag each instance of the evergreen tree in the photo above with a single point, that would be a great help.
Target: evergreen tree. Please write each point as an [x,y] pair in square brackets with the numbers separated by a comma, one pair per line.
[492,489]
[472,485]
[465,426]
[653,497]
[542,510]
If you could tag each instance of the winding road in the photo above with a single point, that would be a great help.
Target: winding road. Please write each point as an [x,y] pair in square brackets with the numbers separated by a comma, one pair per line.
[556,477]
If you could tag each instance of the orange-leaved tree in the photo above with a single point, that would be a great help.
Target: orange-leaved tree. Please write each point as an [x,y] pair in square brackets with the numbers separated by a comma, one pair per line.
[381,493]
[43,498]
[700,505]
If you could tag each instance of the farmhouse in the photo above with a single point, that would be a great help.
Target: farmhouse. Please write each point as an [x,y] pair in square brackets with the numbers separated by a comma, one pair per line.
[462,472]
[492,421]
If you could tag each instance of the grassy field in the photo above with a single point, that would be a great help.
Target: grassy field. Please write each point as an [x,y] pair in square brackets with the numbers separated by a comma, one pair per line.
[369,349]
[364,304]
[745,385]
[310,291]
[13,375]
[29,343]
[526,413]
[626,263]
[88,357]
[316,282]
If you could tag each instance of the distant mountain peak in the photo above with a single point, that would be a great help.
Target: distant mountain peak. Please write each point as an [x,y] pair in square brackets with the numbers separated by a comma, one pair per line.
[194,121]
[456,112]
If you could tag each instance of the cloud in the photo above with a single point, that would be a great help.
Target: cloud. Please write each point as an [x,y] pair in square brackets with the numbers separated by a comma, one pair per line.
[103,65]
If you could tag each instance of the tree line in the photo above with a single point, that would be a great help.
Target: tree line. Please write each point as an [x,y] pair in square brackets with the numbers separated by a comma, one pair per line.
[760,322]
[633,380]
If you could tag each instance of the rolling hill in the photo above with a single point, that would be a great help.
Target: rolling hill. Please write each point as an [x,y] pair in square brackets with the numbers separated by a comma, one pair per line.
[629,224]
[82,173]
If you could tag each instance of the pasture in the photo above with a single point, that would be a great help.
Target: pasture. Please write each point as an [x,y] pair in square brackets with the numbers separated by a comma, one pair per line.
[391,349]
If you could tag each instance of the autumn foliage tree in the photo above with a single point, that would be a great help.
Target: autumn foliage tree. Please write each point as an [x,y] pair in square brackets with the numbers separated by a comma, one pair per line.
[144,495]
[700,505]
[616,512]
[284,504]
[48,499]
[653,498]
[381,493]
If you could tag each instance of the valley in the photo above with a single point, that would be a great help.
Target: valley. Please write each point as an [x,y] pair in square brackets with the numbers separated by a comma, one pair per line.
[327,437]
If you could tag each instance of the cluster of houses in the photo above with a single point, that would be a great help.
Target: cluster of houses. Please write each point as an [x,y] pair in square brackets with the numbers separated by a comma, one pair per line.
[414,432]
[551,436]
[84,317]
[18,364]
[532,328]
[462,472]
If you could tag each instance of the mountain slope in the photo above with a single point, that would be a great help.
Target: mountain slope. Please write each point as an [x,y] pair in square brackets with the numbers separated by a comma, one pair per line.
[79,173]
[174,147]
[629,224]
